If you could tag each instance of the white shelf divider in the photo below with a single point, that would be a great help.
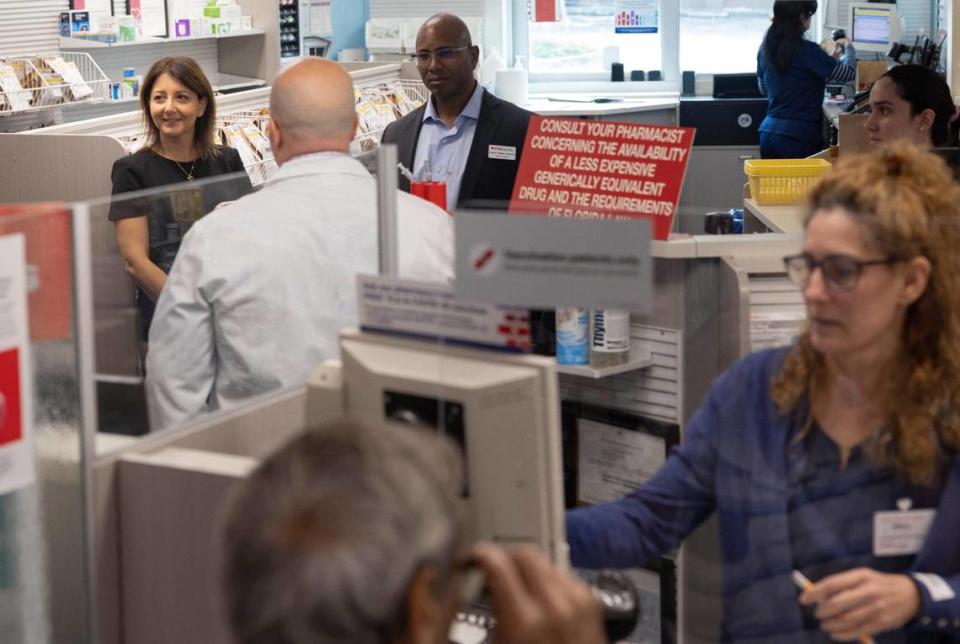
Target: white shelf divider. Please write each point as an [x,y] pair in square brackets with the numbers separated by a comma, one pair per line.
[641,357]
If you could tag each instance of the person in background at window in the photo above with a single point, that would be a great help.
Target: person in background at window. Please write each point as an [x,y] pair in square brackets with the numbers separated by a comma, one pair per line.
[838,456]
[793,74]
[179,114]
[356,535]
[467,137]
[912,102]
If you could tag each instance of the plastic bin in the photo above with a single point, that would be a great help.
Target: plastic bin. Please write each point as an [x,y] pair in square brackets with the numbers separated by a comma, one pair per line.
[782,181]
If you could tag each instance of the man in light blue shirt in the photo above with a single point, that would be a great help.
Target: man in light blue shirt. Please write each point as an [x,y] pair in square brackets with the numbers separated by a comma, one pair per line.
[442,150]
[471,139]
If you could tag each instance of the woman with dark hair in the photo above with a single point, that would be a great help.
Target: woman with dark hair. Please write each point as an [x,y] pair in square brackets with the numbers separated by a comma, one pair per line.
[179,115]
[793,73]
[837,457]
[912,102]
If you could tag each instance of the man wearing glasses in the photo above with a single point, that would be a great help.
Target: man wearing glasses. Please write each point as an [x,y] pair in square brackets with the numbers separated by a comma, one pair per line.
[463,135]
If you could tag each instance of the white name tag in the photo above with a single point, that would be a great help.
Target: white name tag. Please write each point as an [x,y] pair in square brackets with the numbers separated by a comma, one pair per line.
[900,532]
[505,152]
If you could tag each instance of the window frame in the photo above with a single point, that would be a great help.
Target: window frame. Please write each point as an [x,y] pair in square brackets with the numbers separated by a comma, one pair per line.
[597,82]
[669,57]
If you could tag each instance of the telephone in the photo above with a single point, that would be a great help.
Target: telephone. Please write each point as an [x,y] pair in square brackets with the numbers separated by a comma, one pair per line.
[617,596]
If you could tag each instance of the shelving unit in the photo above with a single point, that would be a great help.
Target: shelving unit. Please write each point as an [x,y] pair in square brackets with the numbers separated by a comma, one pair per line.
[232,82]
[641,356]
[83,44]
[50,80]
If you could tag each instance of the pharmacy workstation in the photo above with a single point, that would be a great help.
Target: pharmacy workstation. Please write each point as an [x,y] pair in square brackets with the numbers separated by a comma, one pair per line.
[513,322]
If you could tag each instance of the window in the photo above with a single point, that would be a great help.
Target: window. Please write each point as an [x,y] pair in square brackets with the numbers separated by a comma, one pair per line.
[584,36]
[707,36]
[722,36]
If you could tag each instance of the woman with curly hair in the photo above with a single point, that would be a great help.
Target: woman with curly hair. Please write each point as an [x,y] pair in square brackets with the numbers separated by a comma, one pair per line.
[838,456]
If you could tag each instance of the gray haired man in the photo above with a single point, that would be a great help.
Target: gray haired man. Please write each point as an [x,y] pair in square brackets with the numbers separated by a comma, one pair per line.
[355,534]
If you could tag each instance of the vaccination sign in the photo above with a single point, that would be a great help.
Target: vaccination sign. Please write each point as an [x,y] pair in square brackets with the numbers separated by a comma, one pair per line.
[580,169]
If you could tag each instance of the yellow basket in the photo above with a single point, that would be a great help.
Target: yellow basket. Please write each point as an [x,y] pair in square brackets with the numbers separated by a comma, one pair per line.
[782,181]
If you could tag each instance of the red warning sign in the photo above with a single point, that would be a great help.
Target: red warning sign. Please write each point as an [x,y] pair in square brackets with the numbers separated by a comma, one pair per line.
[11,426]
[602,170]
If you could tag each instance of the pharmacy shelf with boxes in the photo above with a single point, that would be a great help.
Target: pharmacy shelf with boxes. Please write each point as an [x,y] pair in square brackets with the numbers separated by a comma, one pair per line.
[382,97]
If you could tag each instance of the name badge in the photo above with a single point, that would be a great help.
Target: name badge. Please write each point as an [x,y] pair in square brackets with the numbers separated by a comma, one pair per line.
[900,532]
[504,152]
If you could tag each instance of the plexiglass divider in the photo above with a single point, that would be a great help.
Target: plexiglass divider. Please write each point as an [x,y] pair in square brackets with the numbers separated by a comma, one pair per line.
[118,556]
[44,549]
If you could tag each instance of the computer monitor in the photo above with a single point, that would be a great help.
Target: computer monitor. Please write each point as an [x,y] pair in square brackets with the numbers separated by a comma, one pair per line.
[873,27]
[502,408]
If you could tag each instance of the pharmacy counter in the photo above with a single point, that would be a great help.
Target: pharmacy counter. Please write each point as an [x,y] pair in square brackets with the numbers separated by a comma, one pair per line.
[631,109]
[777,219]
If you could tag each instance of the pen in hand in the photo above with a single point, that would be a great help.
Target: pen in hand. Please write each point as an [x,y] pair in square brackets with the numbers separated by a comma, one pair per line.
[801,582]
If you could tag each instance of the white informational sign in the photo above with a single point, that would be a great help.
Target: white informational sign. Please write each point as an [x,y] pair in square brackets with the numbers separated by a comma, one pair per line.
[384,33]
[430,310]
[547,262]
[613,461]
[637,16]
[17,468]
[321,18]
[775,329]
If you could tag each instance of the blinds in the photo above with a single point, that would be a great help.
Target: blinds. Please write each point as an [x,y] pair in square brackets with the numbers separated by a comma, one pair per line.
[423,8]
[30,26]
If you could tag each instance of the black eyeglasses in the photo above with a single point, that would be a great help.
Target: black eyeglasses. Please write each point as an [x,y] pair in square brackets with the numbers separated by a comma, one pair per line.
[443,54]
[840,272]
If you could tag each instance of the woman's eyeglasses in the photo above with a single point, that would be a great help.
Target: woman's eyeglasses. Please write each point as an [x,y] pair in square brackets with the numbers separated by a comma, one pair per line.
[840,272]
[443,54]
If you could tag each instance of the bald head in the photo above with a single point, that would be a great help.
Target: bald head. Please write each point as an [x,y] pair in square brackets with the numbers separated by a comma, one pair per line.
[452,27]
[450,79]
[313,107]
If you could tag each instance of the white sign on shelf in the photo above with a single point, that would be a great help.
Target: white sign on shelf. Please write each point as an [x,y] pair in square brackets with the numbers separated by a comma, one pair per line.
[546,262]
[17,469]
[430,311]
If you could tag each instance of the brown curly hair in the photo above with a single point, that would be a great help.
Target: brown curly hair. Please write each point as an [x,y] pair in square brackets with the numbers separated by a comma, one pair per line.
[906,204]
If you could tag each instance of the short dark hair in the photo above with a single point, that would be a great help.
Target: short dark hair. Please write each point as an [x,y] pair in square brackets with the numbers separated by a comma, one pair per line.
[187,72]
[324,538]
[924,89]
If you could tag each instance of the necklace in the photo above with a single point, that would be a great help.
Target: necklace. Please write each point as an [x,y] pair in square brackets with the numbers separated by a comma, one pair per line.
[190,173]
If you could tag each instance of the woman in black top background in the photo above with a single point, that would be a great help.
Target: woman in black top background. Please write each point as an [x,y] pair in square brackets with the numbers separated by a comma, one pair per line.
[179,112]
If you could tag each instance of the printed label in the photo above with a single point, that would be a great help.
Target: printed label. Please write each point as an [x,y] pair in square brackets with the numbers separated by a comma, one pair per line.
[504,152]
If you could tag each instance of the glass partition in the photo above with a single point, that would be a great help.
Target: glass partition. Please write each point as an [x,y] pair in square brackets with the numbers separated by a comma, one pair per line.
[127,279]
[45,577]
[570,434]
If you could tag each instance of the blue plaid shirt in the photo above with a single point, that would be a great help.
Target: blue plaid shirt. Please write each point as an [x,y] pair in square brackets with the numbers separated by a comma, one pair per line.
[783,502]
